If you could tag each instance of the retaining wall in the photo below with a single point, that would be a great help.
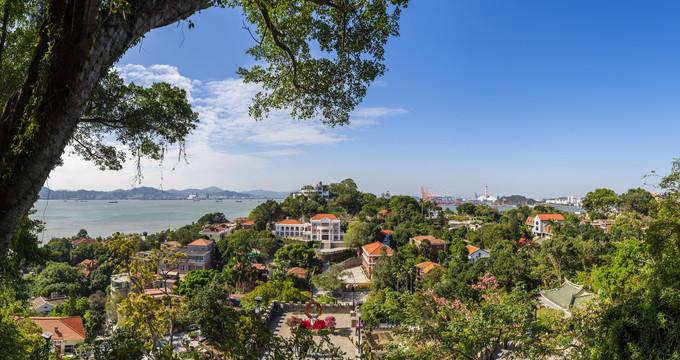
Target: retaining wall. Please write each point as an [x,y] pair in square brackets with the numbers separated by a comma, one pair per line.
[327,308]
[351,262]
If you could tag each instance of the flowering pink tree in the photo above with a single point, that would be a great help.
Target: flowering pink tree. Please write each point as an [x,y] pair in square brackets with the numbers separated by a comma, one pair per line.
[454,328]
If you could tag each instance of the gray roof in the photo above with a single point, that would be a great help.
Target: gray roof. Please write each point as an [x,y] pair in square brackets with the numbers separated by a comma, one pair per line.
[567,295]
[195,252]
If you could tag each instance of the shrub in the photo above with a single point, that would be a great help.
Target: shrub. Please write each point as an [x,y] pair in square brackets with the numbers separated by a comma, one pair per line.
[330,322]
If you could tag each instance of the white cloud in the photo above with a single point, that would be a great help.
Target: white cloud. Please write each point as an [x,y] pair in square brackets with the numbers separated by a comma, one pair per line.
[145,76]
[227,144]
[364,117]
[377,112]
[224,112]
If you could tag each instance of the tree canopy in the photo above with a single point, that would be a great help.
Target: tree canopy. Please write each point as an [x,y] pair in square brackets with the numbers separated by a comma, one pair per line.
[315,58]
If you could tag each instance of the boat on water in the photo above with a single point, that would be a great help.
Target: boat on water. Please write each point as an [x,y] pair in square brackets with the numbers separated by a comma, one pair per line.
[239,200]
[113,202]
[219,200]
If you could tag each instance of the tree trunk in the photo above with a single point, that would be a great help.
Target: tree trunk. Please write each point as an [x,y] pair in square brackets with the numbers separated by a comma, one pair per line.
[77,44]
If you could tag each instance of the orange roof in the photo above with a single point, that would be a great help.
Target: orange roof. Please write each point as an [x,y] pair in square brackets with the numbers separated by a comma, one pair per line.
[387,231]
[289,222]
[530,220]
[427,266]
[430,238]
[544,217]
[249,222]
[240,219]
[88,262]
[471,249]
[524,242]
[67,327]
[298,271]
[321,216]
[259,266]
[376,248]
[383,212]
[83,240]
[202,242]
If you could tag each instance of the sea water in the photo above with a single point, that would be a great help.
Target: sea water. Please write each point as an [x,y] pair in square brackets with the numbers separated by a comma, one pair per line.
[103,218]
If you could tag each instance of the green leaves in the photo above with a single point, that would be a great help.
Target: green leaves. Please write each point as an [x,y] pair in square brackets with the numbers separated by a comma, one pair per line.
[145,120]
[320,55]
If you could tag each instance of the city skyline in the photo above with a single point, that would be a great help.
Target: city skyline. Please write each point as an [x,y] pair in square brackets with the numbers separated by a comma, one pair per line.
[531,98]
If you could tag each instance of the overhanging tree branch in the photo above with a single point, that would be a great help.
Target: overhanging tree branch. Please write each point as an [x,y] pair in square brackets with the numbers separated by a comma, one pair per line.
[276,36]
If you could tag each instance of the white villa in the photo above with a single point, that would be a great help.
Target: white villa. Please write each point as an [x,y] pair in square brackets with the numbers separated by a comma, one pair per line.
[320,190]
[290,228]
[475,253]
[540,224]
[322,227]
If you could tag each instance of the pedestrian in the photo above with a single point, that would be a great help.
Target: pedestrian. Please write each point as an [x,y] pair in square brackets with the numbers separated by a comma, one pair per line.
[356,333]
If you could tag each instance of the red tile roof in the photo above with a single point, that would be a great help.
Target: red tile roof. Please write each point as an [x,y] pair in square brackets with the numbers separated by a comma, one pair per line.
[321,216]
[471,249]
[289,222]
[430,238]
[530,220]
[249,222]
[524,242]
[240,219]
[88,263]
[383,212]
[68,327]
[376,248]
[298,271]
[201,242]
[387,231]
[556,217]
[83,240]
[427,266]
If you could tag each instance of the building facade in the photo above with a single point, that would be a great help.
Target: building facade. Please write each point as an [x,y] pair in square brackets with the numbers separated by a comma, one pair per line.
[289,228]
[199,257]
[67,331]
[319,189]
[326,229]
[541,224]
[370,254]
[217,233]
[475,253]
[436,244]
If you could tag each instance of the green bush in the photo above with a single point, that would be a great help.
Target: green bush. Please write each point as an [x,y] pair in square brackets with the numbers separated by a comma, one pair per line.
[327,300]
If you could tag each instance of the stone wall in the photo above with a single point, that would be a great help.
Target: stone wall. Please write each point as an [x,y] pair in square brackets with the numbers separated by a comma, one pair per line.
[299,307]
[351,262]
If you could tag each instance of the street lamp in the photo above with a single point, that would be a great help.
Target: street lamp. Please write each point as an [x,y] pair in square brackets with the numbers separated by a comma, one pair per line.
[47,336]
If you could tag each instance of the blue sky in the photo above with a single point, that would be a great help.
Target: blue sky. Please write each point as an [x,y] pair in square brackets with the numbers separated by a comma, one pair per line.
[541,98]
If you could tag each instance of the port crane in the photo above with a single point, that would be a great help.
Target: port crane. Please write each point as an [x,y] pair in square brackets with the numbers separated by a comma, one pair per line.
[439,199]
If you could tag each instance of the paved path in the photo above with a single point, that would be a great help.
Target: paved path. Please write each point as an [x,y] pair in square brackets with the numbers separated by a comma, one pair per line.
[355,275]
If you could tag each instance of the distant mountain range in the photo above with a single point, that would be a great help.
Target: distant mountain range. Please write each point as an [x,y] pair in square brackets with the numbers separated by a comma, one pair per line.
[149,193]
